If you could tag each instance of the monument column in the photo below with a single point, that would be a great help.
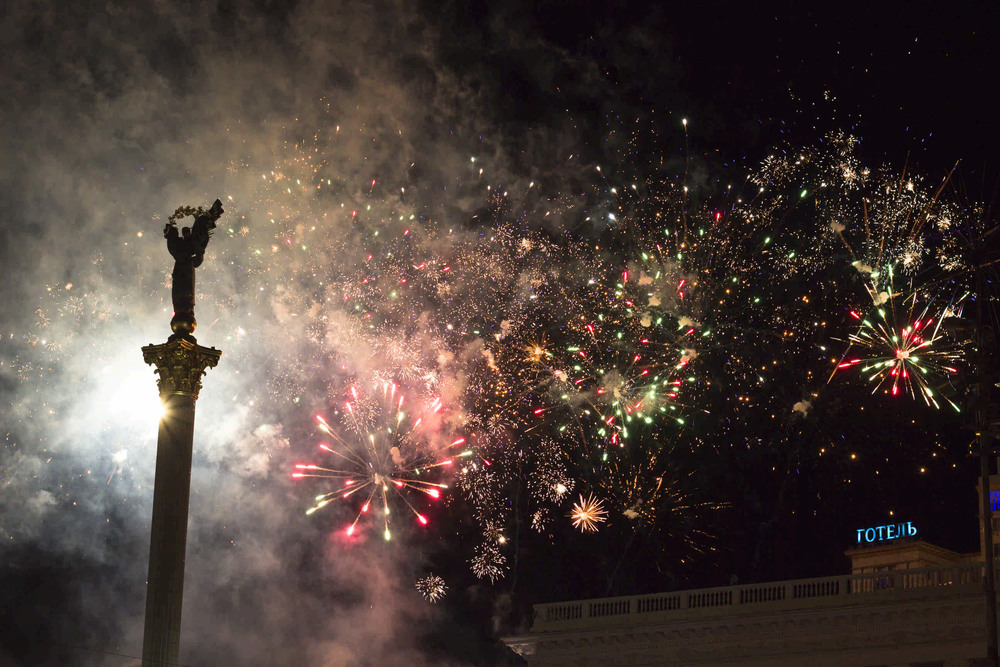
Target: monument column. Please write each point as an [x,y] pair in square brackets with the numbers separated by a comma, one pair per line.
[179,364]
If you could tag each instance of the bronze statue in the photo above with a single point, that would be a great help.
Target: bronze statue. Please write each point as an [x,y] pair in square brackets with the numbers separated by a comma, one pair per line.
[188,250]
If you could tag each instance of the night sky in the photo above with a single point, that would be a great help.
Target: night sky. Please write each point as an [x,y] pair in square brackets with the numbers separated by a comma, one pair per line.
[457,198]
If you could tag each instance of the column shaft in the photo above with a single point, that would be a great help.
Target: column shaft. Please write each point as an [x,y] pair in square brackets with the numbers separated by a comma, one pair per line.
[168,539]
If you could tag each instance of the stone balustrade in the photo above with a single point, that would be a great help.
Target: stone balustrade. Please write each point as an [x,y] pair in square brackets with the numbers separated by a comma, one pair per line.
[948,580]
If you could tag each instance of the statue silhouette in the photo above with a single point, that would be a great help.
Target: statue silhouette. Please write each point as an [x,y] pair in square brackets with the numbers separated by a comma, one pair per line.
[187,247]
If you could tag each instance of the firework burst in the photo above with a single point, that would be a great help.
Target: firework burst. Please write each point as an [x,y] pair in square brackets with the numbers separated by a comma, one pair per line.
[391,459]
[901,347]
[617,378]
[587,513]
[488,561]
[432,587]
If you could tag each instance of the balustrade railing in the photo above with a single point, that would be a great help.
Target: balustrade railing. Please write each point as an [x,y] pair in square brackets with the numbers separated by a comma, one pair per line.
[566,615]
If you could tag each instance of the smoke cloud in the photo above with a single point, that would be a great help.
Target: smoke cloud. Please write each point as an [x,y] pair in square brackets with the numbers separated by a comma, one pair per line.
[115,115]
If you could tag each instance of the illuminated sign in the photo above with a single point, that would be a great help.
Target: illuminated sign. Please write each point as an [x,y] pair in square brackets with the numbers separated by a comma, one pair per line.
[994,501]
[890,532]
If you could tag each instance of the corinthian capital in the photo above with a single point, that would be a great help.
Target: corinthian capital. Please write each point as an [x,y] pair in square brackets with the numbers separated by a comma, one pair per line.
[180,364]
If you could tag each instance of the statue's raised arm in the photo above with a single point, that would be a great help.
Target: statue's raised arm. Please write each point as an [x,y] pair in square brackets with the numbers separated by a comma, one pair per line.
[204,225]
[187,247]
